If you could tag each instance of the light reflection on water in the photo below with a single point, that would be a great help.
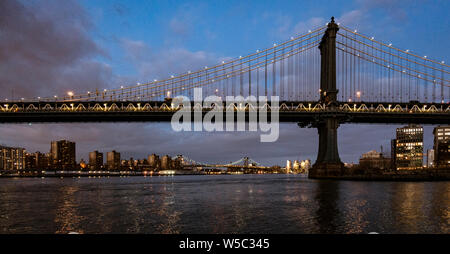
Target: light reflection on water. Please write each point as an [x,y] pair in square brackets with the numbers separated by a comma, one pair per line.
[221,204]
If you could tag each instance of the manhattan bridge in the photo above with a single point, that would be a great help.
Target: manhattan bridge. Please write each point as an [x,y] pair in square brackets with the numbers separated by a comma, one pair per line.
[329,76]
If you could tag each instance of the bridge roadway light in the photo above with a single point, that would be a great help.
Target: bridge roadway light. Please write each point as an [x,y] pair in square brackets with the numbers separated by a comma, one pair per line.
[358,93]
[70,93]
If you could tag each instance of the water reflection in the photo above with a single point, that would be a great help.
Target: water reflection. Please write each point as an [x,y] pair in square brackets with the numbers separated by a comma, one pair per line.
[327,212]
[67,218]
[222,204]
[168,212]
[440,206]
[356,208]
[407,206]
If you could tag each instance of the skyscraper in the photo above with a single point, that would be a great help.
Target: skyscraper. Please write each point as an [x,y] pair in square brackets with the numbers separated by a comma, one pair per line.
[441,142]
[63,155]
[443,159]
[12,158]
[95,160]
[393,153]
[113,160]
[430,158]
[409,147]
[153,161]
[166,162]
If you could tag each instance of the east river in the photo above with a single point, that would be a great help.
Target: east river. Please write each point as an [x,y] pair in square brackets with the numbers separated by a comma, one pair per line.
[221,204]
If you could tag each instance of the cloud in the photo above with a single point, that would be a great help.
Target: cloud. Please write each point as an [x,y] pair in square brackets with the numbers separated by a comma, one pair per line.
[394,9]
[120,9]
[183,23]
[163,62]
[303,26]
[179,26]
[352,18]
[46,48]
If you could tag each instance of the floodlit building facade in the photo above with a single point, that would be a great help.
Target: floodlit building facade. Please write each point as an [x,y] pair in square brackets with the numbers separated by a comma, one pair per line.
[409,147]
[374,159]
[12,158]
[441,143]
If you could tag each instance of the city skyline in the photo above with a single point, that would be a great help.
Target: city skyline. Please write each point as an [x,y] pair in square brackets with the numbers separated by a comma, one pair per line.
[86,150]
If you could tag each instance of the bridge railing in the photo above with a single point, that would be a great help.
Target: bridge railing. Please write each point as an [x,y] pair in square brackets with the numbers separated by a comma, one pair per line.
[247,107]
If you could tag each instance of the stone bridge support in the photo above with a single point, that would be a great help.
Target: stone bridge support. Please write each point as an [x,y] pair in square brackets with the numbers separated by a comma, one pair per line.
[328,163]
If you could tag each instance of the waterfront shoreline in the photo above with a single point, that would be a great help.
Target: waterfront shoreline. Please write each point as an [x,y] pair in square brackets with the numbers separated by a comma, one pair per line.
[92,175]
[410,176]
[384,177]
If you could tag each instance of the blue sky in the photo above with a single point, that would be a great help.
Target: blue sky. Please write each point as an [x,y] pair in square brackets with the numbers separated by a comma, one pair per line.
[232,28]
[50,47]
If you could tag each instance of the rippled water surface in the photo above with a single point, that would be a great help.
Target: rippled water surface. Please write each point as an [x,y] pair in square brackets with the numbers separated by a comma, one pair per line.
[221,204]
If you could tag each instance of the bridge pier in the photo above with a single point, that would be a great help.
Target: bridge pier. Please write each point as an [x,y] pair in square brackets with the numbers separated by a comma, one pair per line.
[328,162]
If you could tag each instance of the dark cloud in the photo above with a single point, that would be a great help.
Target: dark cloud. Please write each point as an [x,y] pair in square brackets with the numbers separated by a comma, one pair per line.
[45,49]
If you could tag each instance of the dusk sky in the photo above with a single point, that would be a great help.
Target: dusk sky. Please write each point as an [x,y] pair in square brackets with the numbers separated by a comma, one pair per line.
[50,47]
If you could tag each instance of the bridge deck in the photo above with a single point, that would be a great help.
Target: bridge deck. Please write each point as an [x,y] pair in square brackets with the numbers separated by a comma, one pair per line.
[159,111]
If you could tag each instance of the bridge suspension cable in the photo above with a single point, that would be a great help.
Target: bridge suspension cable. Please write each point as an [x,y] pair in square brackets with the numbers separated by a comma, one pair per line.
[270,69]
[369,70]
